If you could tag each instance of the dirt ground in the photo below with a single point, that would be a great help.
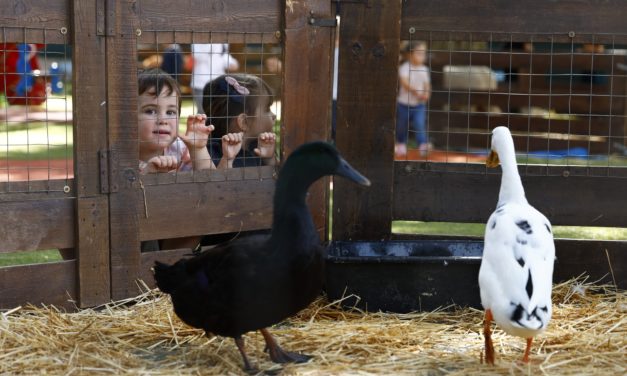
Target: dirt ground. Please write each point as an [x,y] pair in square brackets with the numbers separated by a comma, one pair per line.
[14,170]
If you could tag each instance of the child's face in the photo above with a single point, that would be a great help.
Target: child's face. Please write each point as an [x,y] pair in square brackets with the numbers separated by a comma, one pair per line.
[262,122]
[418,54]
[158,120]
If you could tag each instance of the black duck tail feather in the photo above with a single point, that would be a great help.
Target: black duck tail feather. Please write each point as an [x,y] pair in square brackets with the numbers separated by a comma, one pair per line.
[168,277]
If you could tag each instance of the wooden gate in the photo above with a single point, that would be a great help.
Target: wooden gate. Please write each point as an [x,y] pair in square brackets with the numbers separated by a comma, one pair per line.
[103,209]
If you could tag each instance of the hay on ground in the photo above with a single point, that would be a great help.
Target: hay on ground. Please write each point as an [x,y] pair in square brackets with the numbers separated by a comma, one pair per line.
[588,335]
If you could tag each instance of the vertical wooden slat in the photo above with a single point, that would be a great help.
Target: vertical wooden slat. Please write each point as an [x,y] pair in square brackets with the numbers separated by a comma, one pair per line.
[123,146]
[90,129]
[369,50]
[307,88]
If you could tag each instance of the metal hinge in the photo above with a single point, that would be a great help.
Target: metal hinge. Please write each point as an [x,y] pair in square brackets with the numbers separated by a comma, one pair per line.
[322,22]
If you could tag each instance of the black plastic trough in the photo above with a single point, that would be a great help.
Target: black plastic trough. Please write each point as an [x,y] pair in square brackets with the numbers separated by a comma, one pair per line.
[404,276]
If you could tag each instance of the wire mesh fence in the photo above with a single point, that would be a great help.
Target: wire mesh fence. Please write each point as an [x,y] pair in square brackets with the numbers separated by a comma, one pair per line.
[234,79]
[563,97]
[36,146]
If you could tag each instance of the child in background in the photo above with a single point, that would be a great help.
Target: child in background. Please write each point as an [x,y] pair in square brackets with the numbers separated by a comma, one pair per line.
[414,90]
[240,103]
[161,148]
[210,61]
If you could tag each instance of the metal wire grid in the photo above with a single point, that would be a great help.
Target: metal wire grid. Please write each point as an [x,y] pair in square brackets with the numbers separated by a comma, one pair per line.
[35,141]
[563,97]
[254,56]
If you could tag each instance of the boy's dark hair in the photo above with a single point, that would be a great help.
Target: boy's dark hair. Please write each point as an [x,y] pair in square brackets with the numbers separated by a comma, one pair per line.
[157,79]
[222,102]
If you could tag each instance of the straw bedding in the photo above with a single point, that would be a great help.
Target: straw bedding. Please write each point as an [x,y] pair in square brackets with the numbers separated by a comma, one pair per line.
[587,336]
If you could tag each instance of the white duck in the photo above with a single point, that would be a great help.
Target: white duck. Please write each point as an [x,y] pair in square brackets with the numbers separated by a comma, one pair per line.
[517,265]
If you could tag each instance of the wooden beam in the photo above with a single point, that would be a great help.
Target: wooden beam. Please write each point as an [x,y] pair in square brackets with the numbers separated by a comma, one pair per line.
[34,21]
[368,66]
[467,193]
[205,208]
[37,224]
[234,21]
[90,137]
[307,89]
[534,16]
[123,155]
[52,283]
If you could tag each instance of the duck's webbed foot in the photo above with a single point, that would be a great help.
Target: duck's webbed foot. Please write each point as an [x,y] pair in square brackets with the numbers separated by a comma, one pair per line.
[278,355]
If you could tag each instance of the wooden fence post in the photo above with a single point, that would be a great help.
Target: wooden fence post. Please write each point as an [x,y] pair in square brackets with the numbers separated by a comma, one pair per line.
[123,24]
[306,100]
[90,130]
[369,50]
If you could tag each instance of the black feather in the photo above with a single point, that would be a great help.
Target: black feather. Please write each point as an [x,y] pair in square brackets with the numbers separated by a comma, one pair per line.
[529,286]
[256,281]
[518,313]
[525,226]
[167,277]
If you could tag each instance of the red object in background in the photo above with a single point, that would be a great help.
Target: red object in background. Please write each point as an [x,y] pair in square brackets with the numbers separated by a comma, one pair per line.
[9,76]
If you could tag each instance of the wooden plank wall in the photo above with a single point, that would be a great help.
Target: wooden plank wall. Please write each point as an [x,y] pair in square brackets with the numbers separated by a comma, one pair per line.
[533,16]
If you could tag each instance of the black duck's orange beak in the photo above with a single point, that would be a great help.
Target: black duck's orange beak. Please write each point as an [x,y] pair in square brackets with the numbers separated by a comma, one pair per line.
[346,170]
[492,160]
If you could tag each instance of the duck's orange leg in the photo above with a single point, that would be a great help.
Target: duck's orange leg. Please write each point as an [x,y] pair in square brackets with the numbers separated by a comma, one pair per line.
[527,350]
[489,347]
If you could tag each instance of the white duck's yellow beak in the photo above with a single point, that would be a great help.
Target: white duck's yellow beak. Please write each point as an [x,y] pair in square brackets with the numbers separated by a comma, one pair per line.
[492,160]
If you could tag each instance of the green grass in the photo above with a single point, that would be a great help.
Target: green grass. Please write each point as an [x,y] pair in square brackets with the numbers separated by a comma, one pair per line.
[601,161]
[30,257]
[478,229]
[36,141]
[39,154]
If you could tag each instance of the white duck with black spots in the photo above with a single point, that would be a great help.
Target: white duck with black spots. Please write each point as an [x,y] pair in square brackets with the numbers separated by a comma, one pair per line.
[515,277]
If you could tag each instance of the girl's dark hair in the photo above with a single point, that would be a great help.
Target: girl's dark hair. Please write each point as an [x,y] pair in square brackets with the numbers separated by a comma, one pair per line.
[222,102]
[157,79]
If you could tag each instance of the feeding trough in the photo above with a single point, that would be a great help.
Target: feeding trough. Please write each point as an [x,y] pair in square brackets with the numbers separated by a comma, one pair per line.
[404,276]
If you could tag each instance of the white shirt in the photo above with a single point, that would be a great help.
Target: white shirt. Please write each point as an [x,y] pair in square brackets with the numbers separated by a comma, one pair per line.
[418,77]
[210,61]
